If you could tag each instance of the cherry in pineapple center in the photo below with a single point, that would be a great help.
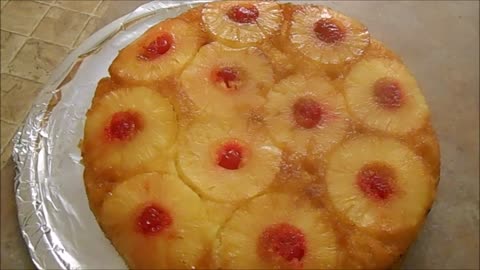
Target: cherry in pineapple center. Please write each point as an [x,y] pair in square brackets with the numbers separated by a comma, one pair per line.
[243,14]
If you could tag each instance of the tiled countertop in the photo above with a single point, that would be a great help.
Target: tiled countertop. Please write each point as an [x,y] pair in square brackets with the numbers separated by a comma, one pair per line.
[439,41]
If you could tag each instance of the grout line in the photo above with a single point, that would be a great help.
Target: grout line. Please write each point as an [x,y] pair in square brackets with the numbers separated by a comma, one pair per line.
[20,77]
[43,2]
[17,126]
[29,79]
[16,33]
[6,3]
[48,42]
[5,149]
[9,122]
[69,46]
[96,8]
[81,32]
[72,46]
[17,52]
[16,49]
[39,21]
[29,36]
[70,9]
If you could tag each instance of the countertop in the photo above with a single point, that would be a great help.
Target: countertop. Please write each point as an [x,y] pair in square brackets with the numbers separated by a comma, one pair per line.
[438,40]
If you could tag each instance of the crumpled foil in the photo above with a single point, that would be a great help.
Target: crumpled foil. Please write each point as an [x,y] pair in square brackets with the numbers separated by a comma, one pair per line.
[55,220]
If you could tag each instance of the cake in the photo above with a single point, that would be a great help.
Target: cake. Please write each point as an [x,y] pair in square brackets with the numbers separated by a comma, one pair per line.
[259,135]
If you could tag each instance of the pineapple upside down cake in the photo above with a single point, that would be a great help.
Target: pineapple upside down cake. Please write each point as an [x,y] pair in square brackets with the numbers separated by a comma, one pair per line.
[259,135]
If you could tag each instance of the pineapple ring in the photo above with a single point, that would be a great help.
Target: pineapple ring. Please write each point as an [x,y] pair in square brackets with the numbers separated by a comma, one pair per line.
[327,36]
[159,53]
[253,236]
[265,21]
[151,128]
[408,111]
[318,137]
[145,219]
[220,78]
[379,200]
[198,161]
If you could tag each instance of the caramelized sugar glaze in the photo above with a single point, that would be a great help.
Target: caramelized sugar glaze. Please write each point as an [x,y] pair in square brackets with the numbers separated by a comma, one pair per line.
[255,135]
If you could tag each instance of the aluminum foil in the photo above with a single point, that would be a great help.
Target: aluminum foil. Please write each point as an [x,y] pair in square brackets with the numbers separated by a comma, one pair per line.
[58,227]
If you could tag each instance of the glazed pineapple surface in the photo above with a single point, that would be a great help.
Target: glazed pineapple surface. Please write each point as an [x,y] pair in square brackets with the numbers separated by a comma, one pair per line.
[259,135]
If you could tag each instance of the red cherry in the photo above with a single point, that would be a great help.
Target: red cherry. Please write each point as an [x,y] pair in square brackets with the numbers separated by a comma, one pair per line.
[123,126]
[329,31]
[307,112]
[282,240]
[153,220]
[158,47]
[226,75]
[243,14]
[388,93]
[376,181]
[230,156]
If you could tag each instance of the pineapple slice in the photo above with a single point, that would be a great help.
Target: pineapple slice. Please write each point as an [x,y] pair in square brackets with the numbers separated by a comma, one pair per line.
[366,252]
[306,115]
[218,213]
[104,86]
[221,79]
[159,53]
[126,129]
[425,144]
[326,36]
[281,63]
[379,184]
[383,95]
[240,23]
[225,162]
[292,176]
[97,188]
[277,231]
[146,219]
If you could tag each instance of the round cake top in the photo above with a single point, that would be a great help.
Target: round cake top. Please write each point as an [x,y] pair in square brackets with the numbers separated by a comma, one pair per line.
[259,135]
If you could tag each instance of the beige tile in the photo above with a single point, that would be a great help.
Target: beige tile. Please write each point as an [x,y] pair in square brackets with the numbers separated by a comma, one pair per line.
[112,10]
[61,26]
[10,44]
[7,131]
[6,153]
[17,102]
[36,60]
[82,6]
[3,3]
[93,25]
[22,16]
[11,83]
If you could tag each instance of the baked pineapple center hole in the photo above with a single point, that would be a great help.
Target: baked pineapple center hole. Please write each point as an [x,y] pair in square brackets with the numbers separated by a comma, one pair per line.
[307,112]
[230,155]
[376,180]
[282,240]
[123,126]
[243,13]
[153,219]
[329,31]
[228,77]
[158,47]
[388,93]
